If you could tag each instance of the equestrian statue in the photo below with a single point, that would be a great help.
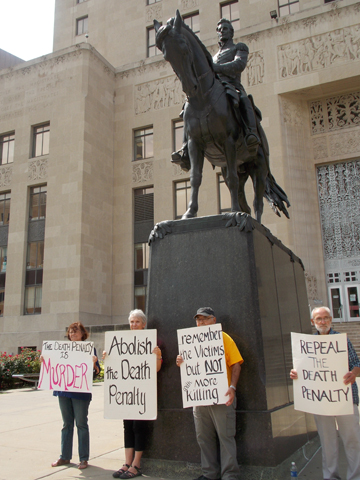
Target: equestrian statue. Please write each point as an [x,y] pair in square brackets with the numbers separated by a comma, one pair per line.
[221,122]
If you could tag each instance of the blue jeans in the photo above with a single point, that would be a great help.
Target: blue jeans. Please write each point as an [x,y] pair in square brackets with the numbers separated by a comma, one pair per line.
[72,410]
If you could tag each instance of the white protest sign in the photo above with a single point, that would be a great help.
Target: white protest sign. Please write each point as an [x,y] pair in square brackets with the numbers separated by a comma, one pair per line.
[203,372]
[130,384]
[67,366]
[321,362]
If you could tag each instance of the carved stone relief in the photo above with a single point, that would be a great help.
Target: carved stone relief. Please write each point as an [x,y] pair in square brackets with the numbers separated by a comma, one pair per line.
[178,172]
[158,94]
[255,68]
[291,113]
[142,172]
[38,169]
[344,143]
[319,51]
[5,176]
[155,11]
[320,148]
[186,4]
[311,287]
[339,197]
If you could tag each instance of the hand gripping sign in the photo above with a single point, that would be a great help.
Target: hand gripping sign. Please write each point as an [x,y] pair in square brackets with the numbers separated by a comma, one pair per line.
[130,378]
[67,366]
[203,372]
[321,361]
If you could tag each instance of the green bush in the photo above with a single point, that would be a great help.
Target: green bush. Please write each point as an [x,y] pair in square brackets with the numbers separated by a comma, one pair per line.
[28,361]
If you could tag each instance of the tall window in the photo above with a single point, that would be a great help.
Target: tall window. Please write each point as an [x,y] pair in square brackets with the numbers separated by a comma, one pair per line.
[224,195]
[193,22]
[35,251]
[5,208]
[81,25]
[152,49]
[150,2]
[143,224]
[3,263]
[34,277]
[81,1]
[182,197]
[7,143]
[143,143]
[288,6]
[38,203]
[41,140]
[230,11]
[178,135]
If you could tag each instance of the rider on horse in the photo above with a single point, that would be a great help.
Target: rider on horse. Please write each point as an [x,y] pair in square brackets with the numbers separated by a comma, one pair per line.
[228,63]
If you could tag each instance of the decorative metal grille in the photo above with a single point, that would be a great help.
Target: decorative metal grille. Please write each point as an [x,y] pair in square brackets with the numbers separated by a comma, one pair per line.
[339,197]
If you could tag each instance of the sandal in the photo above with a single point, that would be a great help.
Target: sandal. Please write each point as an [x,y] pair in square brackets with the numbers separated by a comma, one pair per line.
[60,462]
[128,474]
[83,464]
[121,471]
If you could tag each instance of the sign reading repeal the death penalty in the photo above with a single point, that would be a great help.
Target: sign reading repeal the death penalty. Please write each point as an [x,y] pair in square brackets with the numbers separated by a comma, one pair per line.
[321,361]
[67,366]
[130,383]
[203,372]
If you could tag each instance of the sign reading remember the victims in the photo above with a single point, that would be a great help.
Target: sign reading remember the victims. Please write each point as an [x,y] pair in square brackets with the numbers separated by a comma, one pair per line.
[130,384]
[321,361]
[203,372]
[67,366]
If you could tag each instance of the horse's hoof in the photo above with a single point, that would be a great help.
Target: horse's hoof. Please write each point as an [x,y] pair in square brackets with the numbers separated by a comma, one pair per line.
[188,215]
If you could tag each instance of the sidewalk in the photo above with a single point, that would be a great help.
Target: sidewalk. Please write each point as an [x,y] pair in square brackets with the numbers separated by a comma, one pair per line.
[30,424]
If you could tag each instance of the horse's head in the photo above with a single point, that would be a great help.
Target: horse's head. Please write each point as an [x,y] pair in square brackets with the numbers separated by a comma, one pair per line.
[170,39]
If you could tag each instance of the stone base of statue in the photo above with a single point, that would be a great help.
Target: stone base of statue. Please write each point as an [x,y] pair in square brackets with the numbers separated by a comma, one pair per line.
[256,287]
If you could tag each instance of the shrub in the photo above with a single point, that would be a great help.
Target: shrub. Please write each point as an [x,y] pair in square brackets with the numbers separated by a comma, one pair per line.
[28,361]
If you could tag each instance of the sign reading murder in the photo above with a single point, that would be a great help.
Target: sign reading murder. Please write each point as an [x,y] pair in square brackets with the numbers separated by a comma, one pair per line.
[321,361]
[130,384]
[67,366]
[203,372]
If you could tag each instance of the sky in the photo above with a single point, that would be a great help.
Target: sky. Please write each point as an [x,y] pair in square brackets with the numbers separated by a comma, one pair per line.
[26,27]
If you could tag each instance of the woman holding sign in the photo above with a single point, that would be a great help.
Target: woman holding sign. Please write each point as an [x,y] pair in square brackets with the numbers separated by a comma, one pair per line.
[135,430]
[74,406]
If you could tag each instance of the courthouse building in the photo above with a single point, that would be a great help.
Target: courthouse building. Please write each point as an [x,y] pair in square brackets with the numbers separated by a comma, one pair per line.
[86,135]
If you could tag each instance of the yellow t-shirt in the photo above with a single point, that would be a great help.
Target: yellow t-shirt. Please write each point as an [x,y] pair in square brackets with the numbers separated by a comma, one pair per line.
[232,354]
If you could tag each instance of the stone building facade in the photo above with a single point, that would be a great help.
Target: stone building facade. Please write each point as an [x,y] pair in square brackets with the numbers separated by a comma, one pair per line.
[86,136]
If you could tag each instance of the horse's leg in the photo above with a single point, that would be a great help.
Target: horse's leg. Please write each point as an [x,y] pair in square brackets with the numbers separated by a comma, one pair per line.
[197,162]
[259,172]
[232,179]
[243,176]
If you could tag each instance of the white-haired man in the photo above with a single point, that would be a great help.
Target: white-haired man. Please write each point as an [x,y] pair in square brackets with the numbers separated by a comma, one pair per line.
[349,428]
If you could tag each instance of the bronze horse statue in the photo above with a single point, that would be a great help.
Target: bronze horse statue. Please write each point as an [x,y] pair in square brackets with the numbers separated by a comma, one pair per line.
[213,128]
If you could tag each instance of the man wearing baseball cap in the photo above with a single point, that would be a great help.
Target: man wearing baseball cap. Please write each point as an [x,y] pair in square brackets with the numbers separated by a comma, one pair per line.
[214,421]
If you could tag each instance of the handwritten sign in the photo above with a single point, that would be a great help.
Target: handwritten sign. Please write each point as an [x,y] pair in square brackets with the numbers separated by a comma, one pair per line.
[130,375]
[67,366]
[321,362]
[203,372]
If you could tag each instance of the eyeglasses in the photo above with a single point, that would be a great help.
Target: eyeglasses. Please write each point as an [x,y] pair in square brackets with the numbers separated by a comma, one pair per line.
[322,319]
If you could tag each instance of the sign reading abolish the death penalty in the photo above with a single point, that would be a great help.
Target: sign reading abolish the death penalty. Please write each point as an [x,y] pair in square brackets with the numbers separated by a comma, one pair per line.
[203,372]
[67,366]
[321,361]
[130,384]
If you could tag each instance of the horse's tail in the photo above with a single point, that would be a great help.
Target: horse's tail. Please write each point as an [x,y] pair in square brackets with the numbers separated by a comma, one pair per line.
[276,197]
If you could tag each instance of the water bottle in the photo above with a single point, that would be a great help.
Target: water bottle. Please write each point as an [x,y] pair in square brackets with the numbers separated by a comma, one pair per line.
[293,471]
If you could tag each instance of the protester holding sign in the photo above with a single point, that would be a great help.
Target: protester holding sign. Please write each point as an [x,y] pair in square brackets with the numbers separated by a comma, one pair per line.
[135,430]
[348,425]
[218,420]
[74,406]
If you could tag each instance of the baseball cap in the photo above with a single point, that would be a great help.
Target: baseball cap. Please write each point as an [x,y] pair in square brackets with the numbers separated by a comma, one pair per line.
[205,312]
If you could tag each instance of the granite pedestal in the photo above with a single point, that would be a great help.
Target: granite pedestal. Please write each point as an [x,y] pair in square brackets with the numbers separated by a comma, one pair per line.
[257,288]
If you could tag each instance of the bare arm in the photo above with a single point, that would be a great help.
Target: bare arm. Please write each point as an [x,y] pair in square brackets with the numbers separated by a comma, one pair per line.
[235,374]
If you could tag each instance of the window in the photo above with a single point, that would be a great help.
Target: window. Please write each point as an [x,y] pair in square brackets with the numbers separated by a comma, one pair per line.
[7,143]
[143,143]
[230,11]
[178,135]
[193,22]
[81,1]
[41,140]
[150,2]
[82,25]
[224,195]
[182,197]
[3,263]
[34,277]
[5,208]
[141,274]
[152,49]
[288,6]
[38,203]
